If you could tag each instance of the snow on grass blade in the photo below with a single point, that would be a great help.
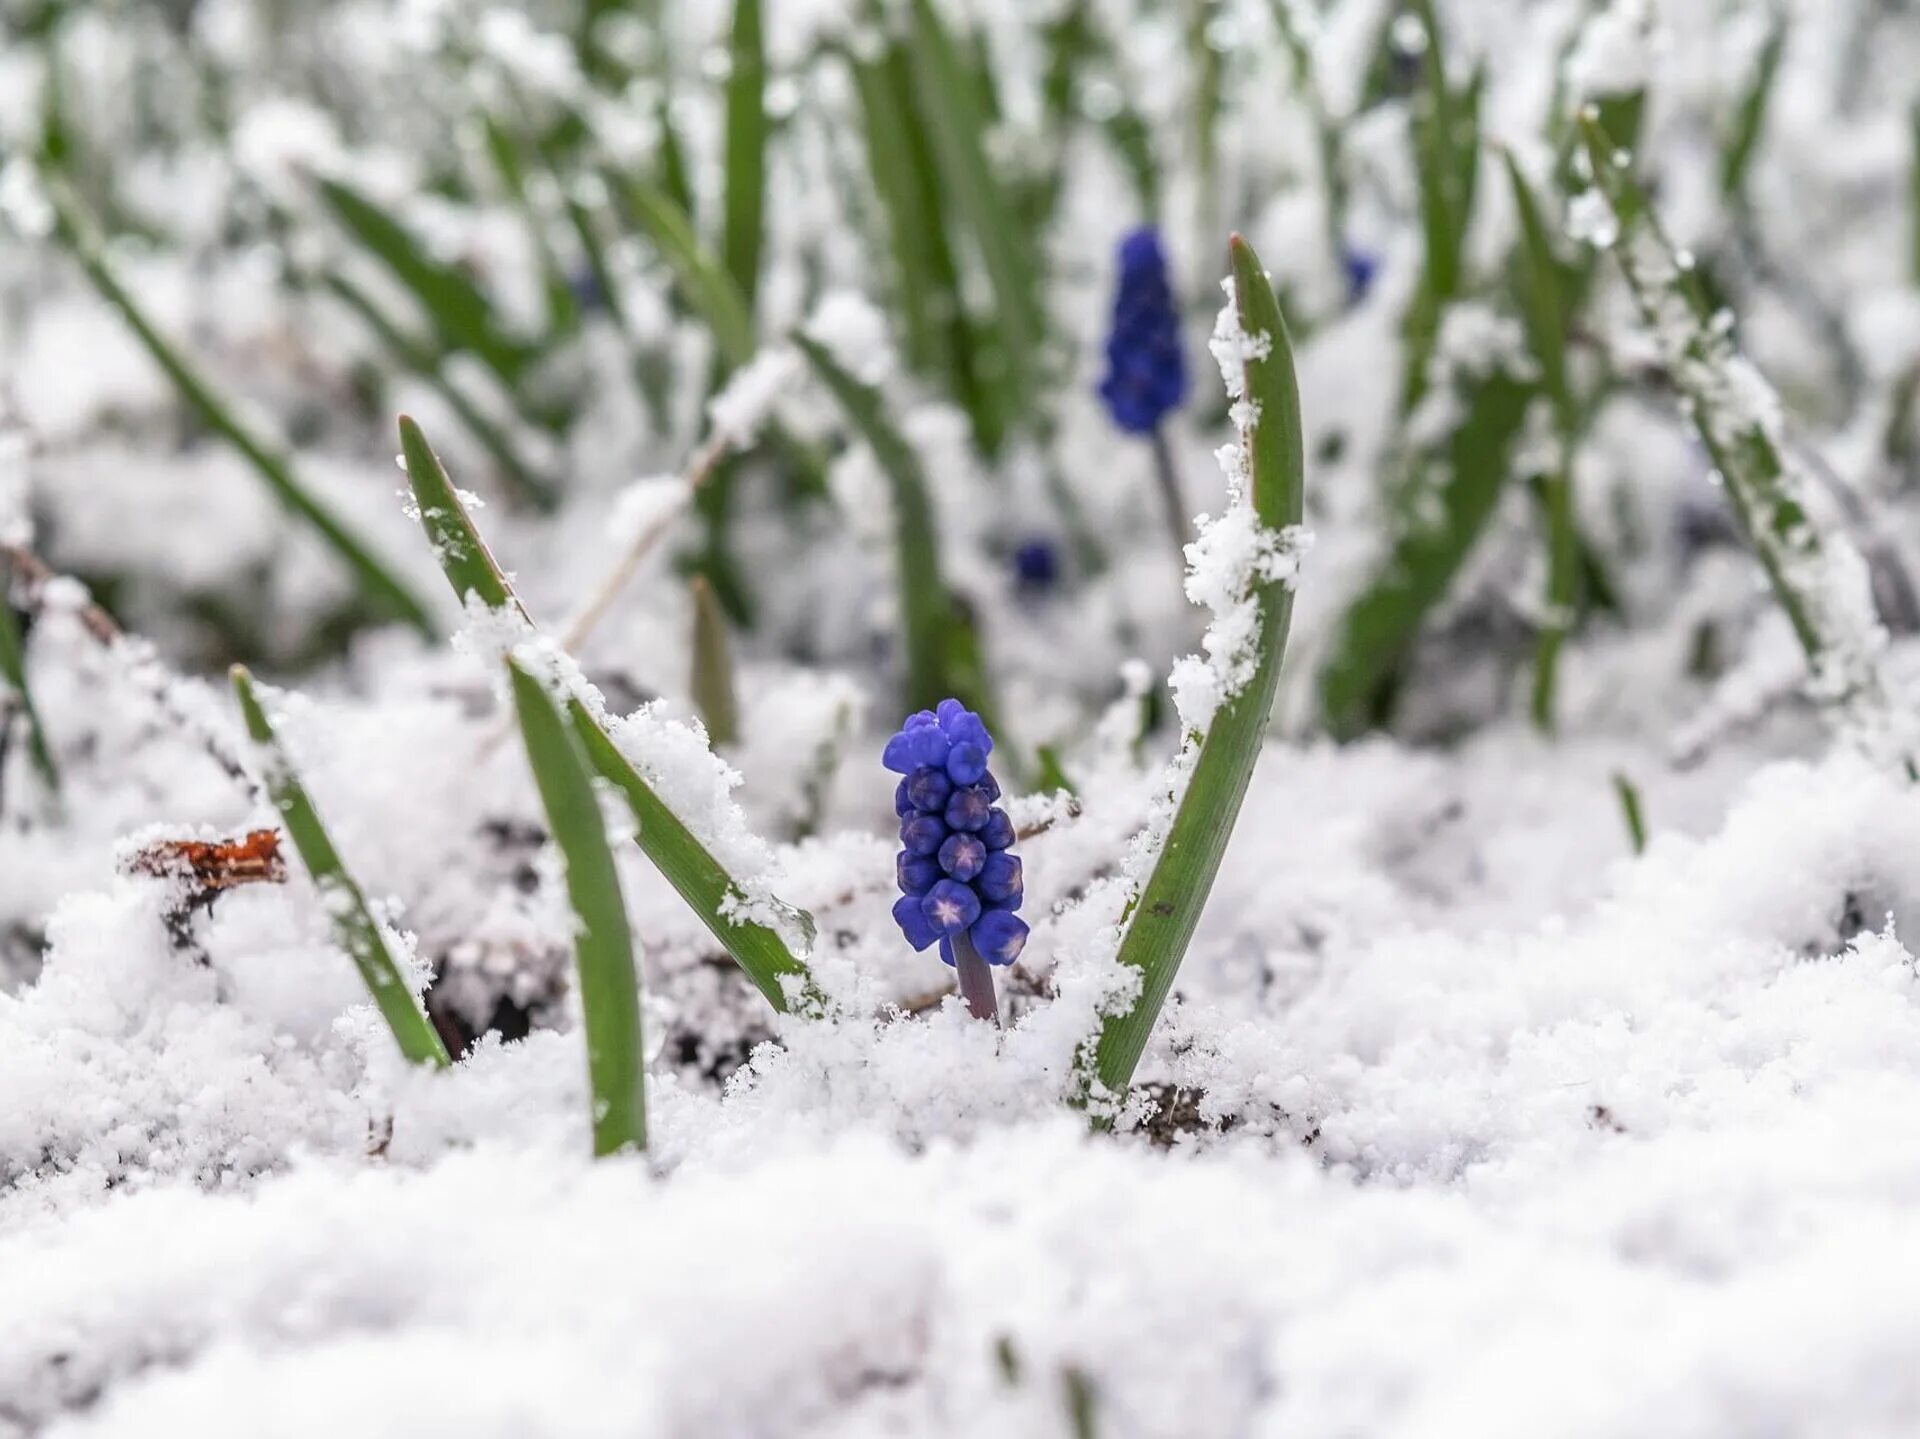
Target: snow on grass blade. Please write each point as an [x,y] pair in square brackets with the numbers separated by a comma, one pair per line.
[1217,760]
[746,145]
[1543,302]
[1819,579]
[354,927]
[958,129]
[712,678]
[381,588]
[603,944]
[927,612]
[13,673]
[688,865]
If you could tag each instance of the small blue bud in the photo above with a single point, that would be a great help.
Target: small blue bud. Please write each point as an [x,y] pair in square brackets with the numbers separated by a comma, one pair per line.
[966,762]
[999,882]
[915,873]
[923,834]
[969,808]
[1036,564]
[927,789]
[997,832]
[1000,937]
[962,856]
[1362,268]
[913,922]
[902,801]
[950,906]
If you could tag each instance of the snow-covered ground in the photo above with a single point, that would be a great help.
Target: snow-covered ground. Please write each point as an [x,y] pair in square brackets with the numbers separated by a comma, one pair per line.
[1467,1116]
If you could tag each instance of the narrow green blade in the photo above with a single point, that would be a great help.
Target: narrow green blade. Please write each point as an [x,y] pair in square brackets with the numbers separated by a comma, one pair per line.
[712,680]
[702,280]
[354,928]
[603,944]
[1163,917]
[686,863]
[1816,579]
[383,590]
[958,130]
[1751,120]
[926,608]
[746,151]
[1465,482]
[13,672]
[459,310]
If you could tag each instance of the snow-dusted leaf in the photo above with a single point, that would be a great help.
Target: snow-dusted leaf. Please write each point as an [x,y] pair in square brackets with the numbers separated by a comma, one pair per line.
[354,928]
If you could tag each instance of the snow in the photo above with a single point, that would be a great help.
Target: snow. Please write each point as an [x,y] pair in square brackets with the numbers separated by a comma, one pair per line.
[1462,1117]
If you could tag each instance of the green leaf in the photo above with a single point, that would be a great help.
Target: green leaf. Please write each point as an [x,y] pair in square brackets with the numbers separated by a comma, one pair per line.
[464,557]
[958,130]
[383,590]
[1162,920]
[686,863]
[503,148]
[702,281]
[939,340]
[456,306]
[1737,158]
[1630,811]
[746,151]
[603,943]
[1542,295]
[1465,482]
[354,927]
[1767,495]
[713,666]
[423,361]
[13,672]
[926,607]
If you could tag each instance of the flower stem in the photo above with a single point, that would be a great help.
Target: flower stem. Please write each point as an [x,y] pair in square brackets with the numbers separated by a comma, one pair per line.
[1169,478]
[976,979]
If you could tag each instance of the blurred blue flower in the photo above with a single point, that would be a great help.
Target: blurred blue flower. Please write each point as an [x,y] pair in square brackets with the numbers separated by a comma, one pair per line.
[1362,268]
[954,869]
[1036,564]
[1146,369]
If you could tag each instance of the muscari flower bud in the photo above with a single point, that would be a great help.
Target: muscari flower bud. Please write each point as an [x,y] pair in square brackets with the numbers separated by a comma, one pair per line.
[1146,369]
[954,872]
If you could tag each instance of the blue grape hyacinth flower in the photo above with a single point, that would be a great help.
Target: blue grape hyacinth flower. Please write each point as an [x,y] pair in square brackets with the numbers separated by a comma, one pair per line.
[1146,369]
[1146,376]
[960,883]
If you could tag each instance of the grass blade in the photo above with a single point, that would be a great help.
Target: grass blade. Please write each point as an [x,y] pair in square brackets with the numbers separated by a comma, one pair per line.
[354,927]
[1819,580]
[13,673]
[939,339]
[424,362]
[958,130]
[713,666]
[746,145]
[383,590]
[926,606]
[1164,915]
[1465,481]
[603,944]
[1631,811]
[687,864]
[456,306]
[1737,159]
[1540,277]
[703,282]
